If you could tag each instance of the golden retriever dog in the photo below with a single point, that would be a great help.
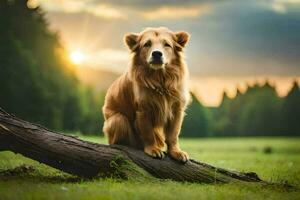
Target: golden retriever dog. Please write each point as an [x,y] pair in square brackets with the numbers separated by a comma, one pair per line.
[144,107]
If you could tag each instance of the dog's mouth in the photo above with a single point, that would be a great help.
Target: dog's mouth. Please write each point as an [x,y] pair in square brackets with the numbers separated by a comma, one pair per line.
[156,63]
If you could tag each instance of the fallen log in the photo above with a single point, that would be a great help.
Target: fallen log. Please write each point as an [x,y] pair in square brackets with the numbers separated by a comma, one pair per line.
[89,160]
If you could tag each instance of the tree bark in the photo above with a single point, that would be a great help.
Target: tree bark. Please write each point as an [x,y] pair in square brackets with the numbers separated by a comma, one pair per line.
[87,159]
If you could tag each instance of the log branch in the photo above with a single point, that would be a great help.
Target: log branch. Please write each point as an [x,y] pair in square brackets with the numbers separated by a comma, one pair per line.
[87,159]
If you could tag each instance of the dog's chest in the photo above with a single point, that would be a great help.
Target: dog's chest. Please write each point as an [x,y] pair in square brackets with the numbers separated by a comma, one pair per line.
[160,104]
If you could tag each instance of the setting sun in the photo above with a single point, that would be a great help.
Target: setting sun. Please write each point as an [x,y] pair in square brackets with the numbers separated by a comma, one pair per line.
[77,57]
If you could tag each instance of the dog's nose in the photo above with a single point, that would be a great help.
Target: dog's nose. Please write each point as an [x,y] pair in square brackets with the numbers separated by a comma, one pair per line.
[157,54]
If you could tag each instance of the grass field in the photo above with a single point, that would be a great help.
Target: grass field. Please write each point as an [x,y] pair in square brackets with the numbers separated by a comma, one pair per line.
[276,160]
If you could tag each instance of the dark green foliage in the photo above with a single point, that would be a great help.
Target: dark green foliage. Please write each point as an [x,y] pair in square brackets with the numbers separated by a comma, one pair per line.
[224,116]
[92,118]
[196,122]
[290,112]
[37,83]
[258,112]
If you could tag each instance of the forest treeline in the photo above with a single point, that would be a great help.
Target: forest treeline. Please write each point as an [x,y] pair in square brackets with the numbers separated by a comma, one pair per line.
[257,112]
[39,84]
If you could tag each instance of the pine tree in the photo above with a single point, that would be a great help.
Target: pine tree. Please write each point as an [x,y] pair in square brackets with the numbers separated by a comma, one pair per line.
[221,117]
[290,114]
[260,112]
[196,121]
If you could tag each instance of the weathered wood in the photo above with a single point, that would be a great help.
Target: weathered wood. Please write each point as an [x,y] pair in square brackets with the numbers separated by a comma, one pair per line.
[87,159]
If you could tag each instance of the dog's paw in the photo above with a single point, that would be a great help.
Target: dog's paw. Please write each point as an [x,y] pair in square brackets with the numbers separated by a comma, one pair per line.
[154,152]
[179,155]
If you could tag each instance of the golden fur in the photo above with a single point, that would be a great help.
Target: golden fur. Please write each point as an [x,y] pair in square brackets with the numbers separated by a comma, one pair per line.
[144,108]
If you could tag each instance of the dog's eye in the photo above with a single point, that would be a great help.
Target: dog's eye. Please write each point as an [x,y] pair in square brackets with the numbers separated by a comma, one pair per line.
[148,44]
[167,45]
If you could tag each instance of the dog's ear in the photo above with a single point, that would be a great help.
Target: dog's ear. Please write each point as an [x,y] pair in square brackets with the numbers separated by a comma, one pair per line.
[182,38]
[131,40]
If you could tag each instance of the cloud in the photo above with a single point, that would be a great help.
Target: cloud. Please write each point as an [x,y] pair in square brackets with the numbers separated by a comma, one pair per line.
[287,1]
[154,4]
[278,8]
[69,6]
[176,12]
[112,59]
[282,6]
[115,9]
[111,55]
[74,6]
[106,11]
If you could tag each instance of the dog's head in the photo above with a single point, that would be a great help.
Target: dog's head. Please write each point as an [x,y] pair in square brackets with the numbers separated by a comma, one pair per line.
[156,47]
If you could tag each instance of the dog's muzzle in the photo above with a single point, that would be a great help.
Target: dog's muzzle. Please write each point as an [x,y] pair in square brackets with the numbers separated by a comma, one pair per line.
[156,58]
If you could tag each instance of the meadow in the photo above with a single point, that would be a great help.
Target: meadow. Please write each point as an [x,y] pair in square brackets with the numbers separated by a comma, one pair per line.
[275,160]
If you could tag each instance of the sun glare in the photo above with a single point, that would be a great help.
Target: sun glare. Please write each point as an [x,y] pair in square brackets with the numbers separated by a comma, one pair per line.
[77,57]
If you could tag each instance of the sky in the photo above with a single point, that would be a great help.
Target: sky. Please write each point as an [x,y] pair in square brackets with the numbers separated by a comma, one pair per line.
[232,41]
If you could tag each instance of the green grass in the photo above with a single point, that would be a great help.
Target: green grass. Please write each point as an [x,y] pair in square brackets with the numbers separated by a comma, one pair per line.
[280,166]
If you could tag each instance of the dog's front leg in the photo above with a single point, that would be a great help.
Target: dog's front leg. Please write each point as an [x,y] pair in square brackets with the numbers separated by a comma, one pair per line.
[172,133]
[151,135]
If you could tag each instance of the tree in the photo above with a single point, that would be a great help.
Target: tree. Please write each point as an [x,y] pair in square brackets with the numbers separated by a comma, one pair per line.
[196,121]
[92,118]
[255,112]
[260,113]
[222,122]
[290,113]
